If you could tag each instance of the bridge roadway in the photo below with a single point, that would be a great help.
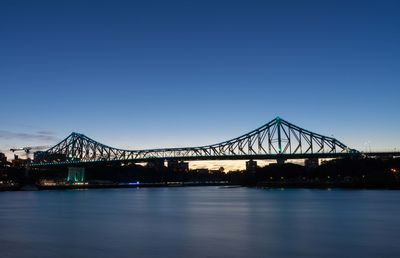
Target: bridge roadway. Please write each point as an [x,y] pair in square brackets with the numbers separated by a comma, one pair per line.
[229,157]
[382,154]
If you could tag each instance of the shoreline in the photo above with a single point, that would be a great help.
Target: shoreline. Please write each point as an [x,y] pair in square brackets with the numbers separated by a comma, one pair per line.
[227,185]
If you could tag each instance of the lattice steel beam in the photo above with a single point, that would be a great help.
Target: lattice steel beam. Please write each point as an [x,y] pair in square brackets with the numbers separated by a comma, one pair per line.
[276,138]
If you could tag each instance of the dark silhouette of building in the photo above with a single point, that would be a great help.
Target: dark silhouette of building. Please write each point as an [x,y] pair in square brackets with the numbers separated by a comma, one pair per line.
[3,160]
[251,166]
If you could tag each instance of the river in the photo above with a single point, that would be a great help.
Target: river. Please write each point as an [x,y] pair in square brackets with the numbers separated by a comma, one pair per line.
[200,222]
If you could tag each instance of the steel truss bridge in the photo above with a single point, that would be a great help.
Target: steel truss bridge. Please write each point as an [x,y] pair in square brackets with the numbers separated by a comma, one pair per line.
[278,139]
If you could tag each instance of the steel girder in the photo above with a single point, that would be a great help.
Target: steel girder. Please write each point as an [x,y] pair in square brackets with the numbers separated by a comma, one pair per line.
[278,137]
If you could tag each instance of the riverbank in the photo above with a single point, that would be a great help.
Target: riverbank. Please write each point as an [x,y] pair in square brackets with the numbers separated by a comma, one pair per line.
[328,185]
[86,185]
[289,185]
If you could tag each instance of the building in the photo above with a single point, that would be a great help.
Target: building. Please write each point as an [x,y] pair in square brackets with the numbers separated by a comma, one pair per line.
[157,164]
[3,160]
[311,163]
[178,166]
[19,163]
[251,166]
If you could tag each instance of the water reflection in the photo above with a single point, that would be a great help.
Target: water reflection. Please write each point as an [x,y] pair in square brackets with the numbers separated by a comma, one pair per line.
[200,222]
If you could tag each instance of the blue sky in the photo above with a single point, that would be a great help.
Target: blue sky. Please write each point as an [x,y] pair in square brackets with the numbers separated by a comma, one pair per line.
[184,73]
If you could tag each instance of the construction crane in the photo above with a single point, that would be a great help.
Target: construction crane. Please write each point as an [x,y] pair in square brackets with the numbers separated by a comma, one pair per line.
[28,150]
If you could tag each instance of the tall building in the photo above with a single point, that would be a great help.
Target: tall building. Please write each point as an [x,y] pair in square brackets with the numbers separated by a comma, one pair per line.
[251,166]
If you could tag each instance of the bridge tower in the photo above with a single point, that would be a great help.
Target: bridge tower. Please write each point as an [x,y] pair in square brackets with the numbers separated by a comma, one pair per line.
[278,125]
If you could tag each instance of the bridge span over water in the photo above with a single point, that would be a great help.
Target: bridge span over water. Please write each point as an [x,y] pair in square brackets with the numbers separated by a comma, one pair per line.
[277,139]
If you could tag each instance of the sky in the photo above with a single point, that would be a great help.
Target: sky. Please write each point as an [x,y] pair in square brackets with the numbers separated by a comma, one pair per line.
[147,74]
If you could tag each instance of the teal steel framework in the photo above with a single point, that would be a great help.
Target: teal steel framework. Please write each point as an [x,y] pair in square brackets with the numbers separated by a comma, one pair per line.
[277,139]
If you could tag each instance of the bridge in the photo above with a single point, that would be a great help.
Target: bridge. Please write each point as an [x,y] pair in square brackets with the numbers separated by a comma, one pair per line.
[277,139]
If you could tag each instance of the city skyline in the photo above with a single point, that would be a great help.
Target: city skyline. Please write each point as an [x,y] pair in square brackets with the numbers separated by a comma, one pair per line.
[148,75]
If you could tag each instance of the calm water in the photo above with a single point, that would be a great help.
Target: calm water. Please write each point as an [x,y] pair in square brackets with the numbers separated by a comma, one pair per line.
[200,222]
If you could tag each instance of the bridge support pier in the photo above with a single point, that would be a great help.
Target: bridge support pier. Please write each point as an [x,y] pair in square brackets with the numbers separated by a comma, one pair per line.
[76,174]
[280,161]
